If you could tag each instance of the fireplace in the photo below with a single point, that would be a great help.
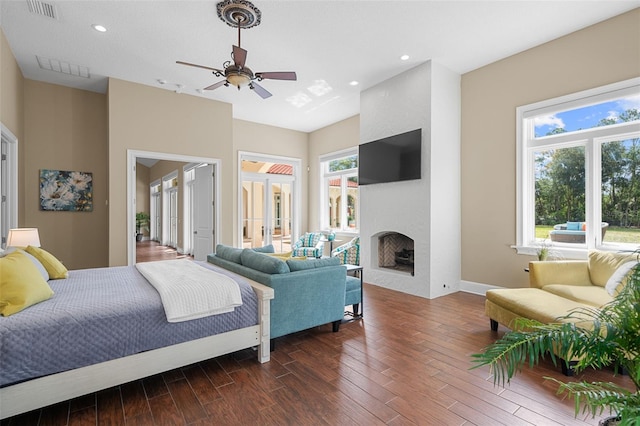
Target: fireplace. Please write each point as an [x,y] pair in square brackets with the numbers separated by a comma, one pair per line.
[395,252]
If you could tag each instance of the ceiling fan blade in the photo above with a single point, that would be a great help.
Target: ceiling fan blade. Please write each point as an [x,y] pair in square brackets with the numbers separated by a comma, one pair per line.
[239,56]
[199,66]
[282,75]
[215,85]
[264,93]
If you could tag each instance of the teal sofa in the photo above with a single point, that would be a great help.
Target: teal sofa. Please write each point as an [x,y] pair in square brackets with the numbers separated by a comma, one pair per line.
[308,292]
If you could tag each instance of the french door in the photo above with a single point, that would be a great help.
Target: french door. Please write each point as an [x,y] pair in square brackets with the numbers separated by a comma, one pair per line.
[268,203]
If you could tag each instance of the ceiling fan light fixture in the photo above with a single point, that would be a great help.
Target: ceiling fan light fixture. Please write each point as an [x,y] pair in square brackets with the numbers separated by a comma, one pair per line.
[238,79]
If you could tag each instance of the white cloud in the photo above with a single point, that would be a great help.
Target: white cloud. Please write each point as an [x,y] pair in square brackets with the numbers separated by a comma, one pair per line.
[613,115]
[549,120]
[630,102]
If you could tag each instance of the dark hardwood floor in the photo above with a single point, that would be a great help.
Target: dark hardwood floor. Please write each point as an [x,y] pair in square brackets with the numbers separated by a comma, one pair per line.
[147,251]
[406,363]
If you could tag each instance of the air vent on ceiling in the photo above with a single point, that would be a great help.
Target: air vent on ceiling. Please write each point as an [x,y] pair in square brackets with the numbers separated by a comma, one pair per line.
[63,67]
[41,8]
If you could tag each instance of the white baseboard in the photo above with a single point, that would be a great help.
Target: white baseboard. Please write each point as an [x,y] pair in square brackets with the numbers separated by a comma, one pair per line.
[475,288]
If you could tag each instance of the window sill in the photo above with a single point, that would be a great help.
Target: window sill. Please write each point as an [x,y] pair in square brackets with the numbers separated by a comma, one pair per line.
[558,252]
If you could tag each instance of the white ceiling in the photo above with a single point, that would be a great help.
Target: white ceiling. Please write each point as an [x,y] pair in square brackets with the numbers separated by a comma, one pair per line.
[331,41]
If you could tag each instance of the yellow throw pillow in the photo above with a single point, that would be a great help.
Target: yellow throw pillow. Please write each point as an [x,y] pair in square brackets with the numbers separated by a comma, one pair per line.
[603,264]
[21,284]
[53,266]
[286,256]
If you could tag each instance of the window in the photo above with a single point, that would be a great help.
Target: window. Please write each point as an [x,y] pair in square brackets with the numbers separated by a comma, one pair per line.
[579,170]
[340,195]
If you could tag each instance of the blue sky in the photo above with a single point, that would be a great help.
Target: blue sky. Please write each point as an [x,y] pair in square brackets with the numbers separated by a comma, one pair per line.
[584,118]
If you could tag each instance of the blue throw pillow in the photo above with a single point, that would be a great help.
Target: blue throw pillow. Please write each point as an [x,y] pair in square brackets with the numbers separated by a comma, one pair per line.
[231,254]
[301,265]
[263,263]
[574,226]
[266,249]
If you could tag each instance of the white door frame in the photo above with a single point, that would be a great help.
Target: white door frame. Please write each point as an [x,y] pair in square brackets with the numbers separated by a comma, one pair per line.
[11,183]
[296,163]
[132,155]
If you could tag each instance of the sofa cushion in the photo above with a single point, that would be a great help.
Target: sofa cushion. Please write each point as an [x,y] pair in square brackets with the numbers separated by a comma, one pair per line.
[589,295]
[603,264]
[263,263]
[232,254]
[266,249]
[531,303]
[301,265]
[574,226]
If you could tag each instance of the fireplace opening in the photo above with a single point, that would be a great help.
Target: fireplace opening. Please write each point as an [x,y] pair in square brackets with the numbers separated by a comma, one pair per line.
[395,252]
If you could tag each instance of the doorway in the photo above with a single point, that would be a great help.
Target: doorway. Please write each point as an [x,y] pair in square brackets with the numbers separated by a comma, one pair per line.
[133,156]
[268,201]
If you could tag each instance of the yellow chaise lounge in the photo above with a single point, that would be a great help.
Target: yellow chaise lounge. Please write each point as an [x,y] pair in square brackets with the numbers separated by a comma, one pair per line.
[557,287]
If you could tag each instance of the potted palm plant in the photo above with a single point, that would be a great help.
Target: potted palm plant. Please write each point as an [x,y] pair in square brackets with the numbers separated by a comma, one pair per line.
[142,224]
[612,337]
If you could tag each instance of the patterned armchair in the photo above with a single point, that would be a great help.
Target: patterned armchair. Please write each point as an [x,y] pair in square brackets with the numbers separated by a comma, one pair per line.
[348,253]
[308,245]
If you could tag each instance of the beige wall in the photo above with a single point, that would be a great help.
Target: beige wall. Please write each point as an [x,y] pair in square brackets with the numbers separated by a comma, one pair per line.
[262,139]
[604,53]
[66,129]
[150,119]
[344,134]
[12,109]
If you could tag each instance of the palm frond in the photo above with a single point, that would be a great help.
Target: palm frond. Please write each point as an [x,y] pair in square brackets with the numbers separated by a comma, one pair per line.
[595,396]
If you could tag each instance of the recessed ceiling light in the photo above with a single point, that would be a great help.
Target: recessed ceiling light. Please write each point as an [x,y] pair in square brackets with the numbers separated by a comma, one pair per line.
[404,57]
[100,28]
[353,83]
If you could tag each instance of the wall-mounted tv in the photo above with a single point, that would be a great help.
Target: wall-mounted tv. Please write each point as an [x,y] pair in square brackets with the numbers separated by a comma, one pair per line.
[391,159]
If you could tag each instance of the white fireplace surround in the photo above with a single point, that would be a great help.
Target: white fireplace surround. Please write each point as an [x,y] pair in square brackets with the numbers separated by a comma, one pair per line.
[426,210]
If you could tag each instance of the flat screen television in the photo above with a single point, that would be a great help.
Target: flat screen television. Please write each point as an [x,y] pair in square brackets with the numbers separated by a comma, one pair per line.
[391,159]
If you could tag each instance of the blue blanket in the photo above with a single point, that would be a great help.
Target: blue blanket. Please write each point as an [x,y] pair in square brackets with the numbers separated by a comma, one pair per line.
[101,314]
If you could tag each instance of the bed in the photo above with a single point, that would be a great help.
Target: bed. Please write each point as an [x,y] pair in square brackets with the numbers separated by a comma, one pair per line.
[107,326]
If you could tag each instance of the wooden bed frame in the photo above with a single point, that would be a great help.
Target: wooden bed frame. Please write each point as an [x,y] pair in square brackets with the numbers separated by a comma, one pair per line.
[37,393]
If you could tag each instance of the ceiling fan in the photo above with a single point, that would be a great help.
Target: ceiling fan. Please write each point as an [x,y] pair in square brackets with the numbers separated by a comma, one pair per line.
[239,13]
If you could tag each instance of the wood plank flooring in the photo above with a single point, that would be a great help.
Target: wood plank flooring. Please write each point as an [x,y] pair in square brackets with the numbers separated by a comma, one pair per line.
[147,251]
[406,363]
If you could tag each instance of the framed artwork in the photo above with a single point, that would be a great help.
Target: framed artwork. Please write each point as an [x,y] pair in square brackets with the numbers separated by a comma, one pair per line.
[66,191]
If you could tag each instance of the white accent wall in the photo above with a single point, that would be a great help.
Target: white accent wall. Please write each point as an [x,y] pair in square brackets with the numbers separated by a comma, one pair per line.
[426,210]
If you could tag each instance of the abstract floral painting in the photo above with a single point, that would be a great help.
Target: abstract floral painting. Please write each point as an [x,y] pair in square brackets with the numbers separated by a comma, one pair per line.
[66,191]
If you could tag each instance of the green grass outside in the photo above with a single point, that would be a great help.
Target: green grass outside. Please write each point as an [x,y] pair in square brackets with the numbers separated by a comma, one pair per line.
[615,234]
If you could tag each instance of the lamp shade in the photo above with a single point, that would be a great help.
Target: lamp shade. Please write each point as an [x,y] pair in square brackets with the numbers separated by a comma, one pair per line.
[23,237]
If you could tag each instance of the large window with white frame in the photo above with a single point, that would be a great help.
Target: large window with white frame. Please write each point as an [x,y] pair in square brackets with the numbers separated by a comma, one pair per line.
[579,171]
[339,191]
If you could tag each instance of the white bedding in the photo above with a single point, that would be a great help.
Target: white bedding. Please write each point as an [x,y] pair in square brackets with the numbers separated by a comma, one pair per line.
[189,291]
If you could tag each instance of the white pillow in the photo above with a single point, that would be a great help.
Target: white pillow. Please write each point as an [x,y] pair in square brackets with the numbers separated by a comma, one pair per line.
[617,277]
[36,262]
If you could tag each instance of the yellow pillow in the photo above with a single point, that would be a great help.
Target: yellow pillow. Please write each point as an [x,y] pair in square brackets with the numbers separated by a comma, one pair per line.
[53,266]
[21,284]
[286,256]
[603,264]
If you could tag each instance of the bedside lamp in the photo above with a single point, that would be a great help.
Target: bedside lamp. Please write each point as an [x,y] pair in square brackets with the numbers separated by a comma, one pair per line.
[23,237]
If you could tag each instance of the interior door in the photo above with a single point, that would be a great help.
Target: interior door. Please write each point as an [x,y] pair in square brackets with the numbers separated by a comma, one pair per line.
[203,212]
